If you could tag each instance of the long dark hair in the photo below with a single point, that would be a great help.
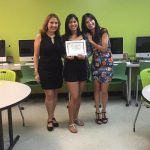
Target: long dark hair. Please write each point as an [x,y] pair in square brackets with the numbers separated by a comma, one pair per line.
[67,30]
[98,29]
[45,28]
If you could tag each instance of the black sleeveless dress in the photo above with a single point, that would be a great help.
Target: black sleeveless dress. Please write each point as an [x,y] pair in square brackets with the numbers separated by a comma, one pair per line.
[50,63]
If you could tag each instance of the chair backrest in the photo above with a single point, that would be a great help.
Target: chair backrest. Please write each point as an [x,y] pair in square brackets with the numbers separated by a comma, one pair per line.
[145,77]
[119,70]
[144,65]
[8,75]
[27,75]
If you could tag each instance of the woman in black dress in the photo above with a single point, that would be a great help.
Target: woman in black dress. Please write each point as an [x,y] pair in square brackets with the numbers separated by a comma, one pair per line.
[48,64]
[75,72]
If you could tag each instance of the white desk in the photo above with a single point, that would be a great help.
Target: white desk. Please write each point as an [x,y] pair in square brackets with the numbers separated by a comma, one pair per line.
[11,93]
[130,65]
[146,93]
[10,66]
[15,66]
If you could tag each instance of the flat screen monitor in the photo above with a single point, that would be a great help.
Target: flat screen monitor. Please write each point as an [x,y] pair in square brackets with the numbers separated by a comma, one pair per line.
[2,51]
[26,50]
[117,47]
[143,47]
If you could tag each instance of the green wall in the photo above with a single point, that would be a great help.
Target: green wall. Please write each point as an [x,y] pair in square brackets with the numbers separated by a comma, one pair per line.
[22,19]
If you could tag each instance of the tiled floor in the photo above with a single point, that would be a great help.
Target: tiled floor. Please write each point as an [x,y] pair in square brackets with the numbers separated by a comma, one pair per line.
[117,134]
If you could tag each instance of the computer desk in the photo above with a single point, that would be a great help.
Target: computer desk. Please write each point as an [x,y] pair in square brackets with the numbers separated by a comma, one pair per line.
[10,66]
[15,66]
[131,65]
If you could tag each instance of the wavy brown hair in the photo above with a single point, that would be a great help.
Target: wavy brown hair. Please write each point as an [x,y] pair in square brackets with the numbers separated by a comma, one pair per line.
[45,28]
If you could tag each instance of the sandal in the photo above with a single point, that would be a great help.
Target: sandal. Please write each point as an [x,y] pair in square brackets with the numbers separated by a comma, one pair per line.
[98,120]
[72,128]
[55,123]
[104,118]
[79,122]
[50,126]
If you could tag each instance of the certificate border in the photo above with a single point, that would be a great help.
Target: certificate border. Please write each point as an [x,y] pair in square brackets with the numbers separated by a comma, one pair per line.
[83,43]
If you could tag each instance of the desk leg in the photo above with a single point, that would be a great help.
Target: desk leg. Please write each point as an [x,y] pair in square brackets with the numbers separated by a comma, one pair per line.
[12,140]
[129,79]
[1,133]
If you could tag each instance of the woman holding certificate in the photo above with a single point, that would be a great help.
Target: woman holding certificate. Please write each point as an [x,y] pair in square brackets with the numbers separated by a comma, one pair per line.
[48,64]
[102,63]
[75,69]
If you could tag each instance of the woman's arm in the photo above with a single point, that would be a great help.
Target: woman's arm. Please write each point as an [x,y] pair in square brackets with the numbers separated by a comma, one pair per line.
[104,46]
[36,55]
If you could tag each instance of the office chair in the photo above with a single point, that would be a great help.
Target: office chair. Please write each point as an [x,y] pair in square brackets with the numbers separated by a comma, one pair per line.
[145,79]
[120,77]
[27,75]
[143,65]
[10,75]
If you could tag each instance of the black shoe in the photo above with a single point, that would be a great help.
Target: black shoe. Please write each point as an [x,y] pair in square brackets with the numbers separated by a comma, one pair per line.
[98,119]
[55,123]
[104,118]
[50,128]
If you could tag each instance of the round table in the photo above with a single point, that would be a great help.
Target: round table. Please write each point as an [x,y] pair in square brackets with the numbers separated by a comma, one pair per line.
[11,93]
[146,93]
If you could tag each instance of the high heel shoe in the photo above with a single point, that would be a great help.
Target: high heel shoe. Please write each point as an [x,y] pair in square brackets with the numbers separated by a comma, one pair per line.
[55,123]
[104,118]
[98,119]
[50,128]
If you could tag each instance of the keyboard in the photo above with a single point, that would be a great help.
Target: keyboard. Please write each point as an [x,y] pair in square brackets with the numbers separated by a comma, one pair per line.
[135,62]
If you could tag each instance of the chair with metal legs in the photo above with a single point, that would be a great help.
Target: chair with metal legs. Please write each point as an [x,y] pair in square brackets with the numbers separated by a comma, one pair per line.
[27,78]
[120,77]
[143,65]
[145,79]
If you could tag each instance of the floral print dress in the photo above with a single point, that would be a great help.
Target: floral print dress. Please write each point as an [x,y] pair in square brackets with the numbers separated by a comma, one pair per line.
[102,64]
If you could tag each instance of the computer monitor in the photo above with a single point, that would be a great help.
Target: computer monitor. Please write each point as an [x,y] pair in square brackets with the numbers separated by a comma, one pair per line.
[2,51]
[117,47]
[26,50]
[143,47]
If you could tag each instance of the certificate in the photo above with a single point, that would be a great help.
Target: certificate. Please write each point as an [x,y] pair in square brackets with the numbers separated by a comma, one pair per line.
[74,48]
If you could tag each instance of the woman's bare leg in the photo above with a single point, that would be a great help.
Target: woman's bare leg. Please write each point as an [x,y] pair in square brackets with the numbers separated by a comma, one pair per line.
[74,94]
[97,95]
[81,88]
[50,103]
[104,95]
[74,98]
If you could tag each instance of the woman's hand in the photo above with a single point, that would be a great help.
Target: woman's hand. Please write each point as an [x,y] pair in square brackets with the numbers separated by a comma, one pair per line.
[91,40]
[81,57]
[37,78]
[70,57]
